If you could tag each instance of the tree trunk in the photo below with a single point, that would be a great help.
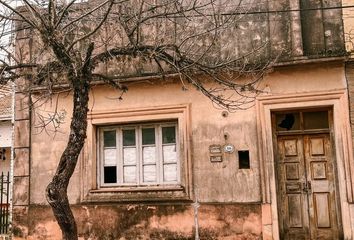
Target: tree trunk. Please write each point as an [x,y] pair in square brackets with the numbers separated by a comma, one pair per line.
[56,191]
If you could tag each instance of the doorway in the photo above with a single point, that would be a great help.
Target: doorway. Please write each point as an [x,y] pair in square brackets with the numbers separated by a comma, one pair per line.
[305,175]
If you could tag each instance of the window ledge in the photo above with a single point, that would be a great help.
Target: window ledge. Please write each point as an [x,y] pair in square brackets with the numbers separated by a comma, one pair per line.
[138,194]
[137,189]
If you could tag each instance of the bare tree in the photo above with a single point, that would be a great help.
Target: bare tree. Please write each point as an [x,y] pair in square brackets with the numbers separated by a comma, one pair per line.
[62,44]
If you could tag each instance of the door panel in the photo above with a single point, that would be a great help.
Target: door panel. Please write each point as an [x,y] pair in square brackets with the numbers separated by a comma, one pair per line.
[293,203]
[306,187]
[321,195]
[295,216]
[322,212]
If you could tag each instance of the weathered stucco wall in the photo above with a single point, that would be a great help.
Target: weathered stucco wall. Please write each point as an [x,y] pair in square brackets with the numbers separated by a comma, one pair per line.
[216,182]
[5,133]
[236,191]
[131,222]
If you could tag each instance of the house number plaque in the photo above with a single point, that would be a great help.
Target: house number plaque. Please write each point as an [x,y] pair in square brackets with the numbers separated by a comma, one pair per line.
[215,152]
[216,158]
[215,149]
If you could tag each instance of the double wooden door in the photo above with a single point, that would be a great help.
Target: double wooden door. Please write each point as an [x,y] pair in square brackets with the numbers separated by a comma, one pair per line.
[307,204]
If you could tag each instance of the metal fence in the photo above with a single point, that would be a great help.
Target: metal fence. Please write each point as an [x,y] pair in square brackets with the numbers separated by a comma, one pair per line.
[4,202]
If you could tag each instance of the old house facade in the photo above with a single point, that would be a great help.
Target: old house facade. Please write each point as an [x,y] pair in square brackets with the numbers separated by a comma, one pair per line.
[166,164]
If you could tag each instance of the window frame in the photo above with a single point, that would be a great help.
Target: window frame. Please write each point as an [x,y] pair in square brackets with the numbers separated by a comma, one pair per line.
[90,192]
[119,128]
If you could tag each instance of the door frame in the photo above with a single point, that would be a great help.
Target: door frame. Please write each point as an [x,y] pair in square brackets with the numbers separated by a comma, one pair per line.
[338,101]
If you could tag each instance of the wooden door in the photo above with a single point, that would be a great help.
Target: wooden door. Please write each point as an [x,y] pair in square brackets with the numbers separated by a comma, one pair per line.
[306,187]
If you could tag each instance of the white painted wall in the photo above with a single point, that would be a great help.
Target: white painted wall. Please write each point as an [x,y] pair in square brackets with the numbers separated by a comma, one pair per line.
[5,134]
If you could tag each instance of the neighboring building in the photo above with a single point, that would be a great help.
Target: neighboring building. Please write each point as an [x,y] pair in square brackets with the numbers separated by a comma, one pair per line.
[6,131]
[282,169]
[348,25]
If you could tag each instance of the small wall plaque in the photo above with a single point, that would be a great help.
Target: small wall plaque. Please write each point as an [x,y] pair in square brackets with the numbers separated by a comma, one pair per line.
[229,148]
[217,158]
[215,149]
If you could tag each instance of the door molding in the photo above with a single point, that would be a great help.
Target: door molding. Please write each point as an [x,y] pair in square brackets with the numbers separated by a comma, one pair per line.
[338,100]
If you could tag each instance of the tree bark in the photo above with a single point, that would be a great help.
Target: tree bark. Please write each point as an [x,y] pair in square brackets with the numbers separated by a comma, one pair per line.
[79,74]
[56,191]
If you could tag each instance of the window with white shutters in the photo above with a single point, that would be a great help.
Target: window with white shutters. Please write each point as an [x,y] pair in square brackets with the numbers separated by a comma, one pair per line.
[139,155]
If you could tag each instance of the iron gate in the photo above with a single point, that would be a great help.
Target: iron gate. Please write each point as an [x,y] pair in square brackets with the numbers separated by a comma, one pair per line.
[4,202]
